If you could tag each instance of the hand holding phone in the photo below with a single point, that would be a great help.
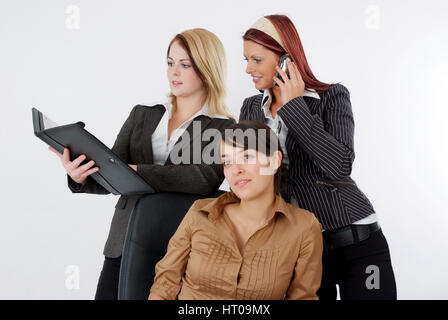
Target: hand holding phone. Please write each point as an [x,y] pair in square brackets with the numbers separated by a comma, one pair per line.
[290,81]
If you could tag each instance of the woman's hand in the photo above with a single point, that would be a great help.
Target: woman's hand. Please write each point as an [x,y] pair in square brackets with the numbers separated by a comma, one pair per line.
[291,87]
[78,173]
[133,166]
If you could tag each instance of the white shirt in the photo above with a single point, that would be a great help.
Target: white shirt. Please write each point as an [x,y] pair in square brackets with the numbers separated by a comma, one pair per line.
[161,146]
[281,130]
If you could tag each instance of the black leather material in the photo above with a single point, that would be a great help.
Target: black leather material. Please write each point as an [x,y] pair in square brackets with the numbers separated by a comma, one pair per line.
[154,220]
[114,175]
[349,235]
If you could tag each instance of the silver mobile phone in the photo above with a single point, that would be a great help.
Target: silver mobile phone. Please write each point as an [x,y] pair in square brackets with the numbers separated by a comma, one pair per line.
[283,66]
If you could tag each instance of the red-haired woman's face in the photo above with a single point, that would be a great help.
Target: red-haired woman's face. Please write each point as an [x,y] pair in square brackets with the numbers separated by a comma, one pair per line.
[261,63]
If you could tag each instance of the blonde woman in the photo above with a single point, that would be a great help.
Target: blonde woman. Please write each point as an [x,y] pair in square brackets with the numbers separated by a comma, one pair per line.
[151,138]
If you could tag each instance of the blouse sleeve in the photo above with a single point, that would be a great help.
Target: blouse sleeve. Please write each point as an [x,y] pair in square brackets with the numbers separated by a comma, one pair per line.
[170,270]
[308,270]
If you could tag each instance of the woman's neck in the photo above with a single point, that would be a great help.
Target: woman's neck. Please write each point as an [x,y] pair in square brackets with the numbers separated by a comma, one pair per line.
[276,93]
[259,209]
[276,100]
[188,106]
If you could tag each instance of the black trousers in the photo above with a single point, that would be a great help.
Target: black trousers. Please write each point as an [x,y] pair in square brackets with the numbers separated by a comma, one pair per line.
[363,271]
[107,288]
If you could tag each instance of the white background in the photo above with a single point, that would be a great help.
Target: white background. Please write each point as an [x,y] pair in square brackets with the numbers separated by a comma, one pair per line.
[391,55]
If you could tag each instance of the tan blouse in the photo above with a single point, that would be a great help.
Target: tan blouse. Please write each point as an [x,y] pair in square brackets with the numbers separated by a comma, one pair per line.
[282,260]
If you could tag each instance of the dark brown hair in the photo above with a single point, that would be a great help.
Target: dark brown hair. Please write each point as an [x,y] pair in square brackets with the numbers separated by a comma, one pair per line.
[263,143]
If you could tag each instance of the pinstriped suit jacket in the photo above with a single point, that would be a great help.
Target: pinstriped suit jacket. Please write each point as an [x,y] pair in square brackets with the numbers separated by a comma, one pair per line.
[320,150]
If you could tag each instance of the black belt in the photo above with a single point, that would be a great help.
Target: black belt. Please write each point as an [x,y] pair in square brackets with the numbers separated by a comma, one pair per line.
[346,236]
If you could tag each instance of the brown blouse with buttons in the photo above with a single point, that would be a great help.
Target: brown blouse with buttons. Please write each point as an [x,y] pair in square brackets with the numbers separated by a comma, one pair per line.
[282,260]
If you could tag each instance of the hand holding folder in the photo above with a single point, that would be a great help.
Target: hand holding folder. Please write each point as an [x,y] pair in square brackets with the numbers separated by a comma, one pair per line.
[75,169]
[74,142]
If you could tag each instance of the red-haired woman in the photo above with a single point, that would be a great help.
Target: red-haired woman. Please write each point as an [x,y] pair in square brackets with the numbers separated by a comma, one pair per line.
[314,122]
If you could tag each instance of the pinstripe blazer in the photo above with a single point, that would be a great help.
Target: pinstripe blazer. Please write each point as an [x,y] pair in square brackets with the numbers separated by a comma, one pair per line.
[320,150]
[134,145]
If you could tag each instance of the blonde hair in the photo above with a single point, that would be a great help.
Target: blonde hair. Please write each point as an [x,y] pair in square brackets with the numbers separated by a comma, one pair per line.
[209,61]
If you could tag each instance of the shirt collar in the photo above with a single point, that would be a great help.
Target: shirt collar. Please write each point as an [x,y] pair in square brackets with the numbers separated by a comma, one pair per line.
[204,111]
[267,99]
[266,103]
[214,209]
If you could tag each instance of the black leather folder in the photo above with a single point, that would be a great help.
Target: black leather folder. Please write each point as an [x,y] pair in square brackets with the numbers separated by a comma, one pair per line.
[115,175]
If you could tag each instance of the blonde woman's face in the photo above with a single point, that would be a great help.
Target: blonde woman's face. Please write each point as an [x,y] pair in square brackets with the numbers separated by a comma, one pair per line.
[183,79]
[261,64]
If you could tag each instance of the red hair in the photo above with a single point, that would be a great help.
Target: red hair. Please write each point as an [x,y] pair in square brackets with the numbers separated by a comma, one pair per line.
[293,47]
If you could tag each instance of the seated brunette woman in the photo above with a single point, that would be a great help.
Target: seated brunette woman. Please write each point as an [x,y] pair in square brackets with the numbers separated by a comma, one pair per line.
[248,243]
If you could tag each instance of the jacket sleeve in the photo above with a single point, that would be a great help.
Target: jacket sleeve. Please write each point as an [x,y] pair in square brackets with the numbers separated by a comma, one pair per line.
[187,178]
[244,111]
[327,140]
[308,270]
[193,178]
[120,148]
[171,268]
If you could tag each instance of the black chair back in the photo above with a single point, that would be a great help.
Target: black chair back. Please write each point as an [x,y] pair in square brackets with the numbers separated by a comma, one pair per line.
[154,220]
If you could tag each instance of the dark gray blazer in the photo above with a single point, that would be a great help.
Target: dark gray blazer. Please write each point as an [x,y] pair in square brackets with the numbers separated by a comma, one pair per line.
[134,145]
[321,153]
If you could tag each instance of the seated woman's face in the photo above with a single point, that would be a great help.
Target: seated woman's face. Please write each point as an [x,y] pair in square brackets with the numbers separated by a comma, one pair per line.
[250,173]
[183,79]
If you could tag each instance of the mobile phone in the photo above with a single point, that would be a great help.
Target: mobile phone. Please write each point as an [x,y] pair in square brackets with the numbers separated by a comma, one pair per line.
[283,66]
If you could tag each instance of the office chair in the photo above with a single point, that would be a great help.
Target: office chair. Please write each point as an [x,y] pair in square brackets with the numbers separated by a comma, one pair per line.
[146,235]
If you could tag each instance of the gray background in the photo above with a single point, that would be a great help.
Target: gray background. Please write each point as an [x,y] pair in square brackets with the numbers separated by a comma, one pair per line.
[94,60]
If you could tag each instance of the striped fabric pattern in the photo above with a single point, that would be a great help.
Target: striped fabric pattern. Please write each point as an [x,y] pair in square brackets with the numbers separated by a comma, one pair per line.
[320,148]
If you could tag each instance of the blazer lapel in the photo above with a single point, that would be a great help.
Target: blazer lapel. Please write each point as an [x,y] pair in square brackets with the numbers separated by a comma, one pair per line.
[258,113]
[152,118]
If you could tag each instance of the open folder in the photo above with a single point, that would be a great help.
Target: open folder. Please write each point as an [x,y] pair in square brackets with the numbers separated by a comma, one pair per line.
[115,175]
